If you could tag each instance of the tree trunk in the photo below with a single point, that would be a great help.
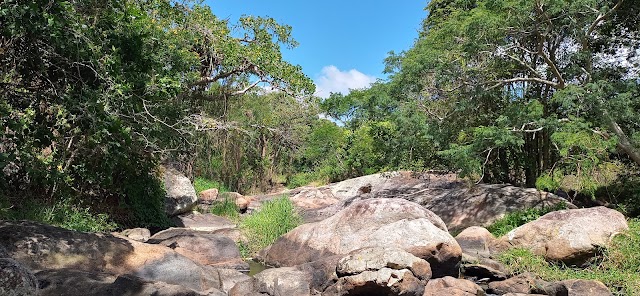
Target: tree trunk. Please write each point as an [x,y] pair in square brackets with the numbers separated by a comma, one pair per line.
[624,143]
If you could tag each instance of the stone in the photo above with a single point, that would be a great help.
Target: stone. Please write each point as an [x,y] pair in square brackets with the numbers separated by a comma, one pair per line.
[577,288]
[484,271]
[16,279]
[452,286]
[379,269]
[208,196]
[570,236]
[202,222]
[523,283]
[376,258]
[275,281]
[80,283]
[137,234]
[476,241]
[370,223]
[385,281]
[181,196]
[40,247]
[207,249]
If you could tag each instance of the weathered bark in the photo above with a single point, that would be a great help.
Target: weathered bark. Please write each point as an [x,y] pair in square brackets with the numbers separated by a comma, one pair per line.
[624,144]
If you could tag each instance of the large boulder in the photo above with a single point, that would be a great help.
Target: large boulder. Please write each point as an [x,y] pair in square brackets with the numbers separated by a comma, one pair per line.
[137,234]
[207,249]
[459,204]
[370,223]
[16,280]
[42,247]
[476,241]
[577,288]
[181,196]
[571,236]
[380,271]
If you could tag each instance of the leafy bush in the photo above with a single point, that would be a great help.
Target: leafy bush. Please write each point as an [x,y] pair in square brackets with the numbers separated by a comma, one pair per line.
[63,214]
[274,219]
[617,268]
[518,218]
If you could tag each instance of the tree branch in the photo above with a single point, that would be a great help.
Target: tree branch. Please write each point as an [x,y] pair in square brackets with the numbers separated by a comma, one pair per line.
[602,17]
[524,79]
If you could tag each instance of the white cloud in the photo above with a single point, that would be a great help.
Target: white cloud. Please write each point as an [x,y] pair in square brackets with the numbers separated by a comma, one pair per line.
[333,80]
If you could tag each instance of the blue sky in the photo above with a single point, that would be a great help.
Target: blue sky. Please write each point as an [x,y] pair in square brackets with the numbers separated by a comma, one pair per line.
[342,43]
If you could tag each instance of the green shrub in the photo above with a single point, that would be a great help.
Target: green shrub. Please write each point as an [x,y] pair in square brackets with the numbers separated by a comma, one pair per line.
[617,268]
[65,214]
[513,220]
[275,218]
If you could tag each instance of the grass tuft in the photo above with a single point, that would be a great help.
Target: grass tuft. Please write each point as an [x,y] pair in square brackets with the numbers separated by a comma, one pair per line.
[518,218]
[275,218]
[201,184]
[226,208]
[618,268]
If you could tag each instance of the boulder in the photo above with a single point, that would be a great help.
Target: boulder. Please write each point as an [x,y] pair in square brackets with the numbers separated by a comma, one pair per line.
[475,241]
[453,287]
[202,222]
[207,249]
[137,234]
[457,203]
[181,196]
[577,288]
[275,282]
[42,247]
[208,196]
[571,236]
[385,281]
[370,223]
[79,283]
[16,280]
[523,283]
[370,270]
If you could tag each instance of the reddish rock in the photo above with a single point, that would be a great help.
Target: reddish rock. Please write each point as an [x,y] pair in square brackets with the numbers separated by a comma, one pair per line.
[452,286]
[370,223]
[208,196]
[570,236]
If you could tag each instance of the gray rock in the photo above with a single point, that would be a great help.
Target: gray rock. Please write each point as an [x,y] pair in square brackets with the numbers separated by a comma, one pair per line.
[476,241]
[16,280]
[523,283]
[137,234]
[202,222]
[181,196]
[372,259]
[577,288]
[207,249]
[370,223]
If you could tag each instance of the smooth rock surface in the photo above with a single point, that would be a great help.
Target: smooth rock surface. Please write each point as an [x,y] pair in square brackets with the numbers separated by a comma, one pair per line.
[577,288]
[370,223]
[137,234]
[475,241]
[571,236]
[202,222]
[523,283]
[207,249]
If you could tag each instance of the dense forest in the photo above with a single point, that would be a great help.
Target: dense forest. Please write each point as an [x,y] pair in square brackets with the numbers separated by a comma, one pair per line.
[96,95]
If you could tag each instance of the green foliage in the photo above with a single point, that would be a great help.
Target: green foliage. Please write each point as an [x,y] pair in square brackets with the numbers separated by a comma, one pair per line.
[64,213]
[226,208]
[617,268]
[515,219]
[275,218]
[201,184]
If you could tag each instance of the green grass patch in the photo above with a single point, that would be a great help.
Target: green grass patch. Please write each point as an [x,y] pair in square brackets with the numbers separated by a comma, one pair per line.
[618,267]
[226,208]
[202,184]
[65,214]
[518,218]
[275,218]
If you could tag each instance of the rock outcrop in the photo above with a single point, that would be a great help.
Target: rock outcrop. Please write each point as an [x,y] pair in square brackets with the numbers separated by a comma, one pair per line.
[370,223]
[16,279]
[571,236]
[457,203]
